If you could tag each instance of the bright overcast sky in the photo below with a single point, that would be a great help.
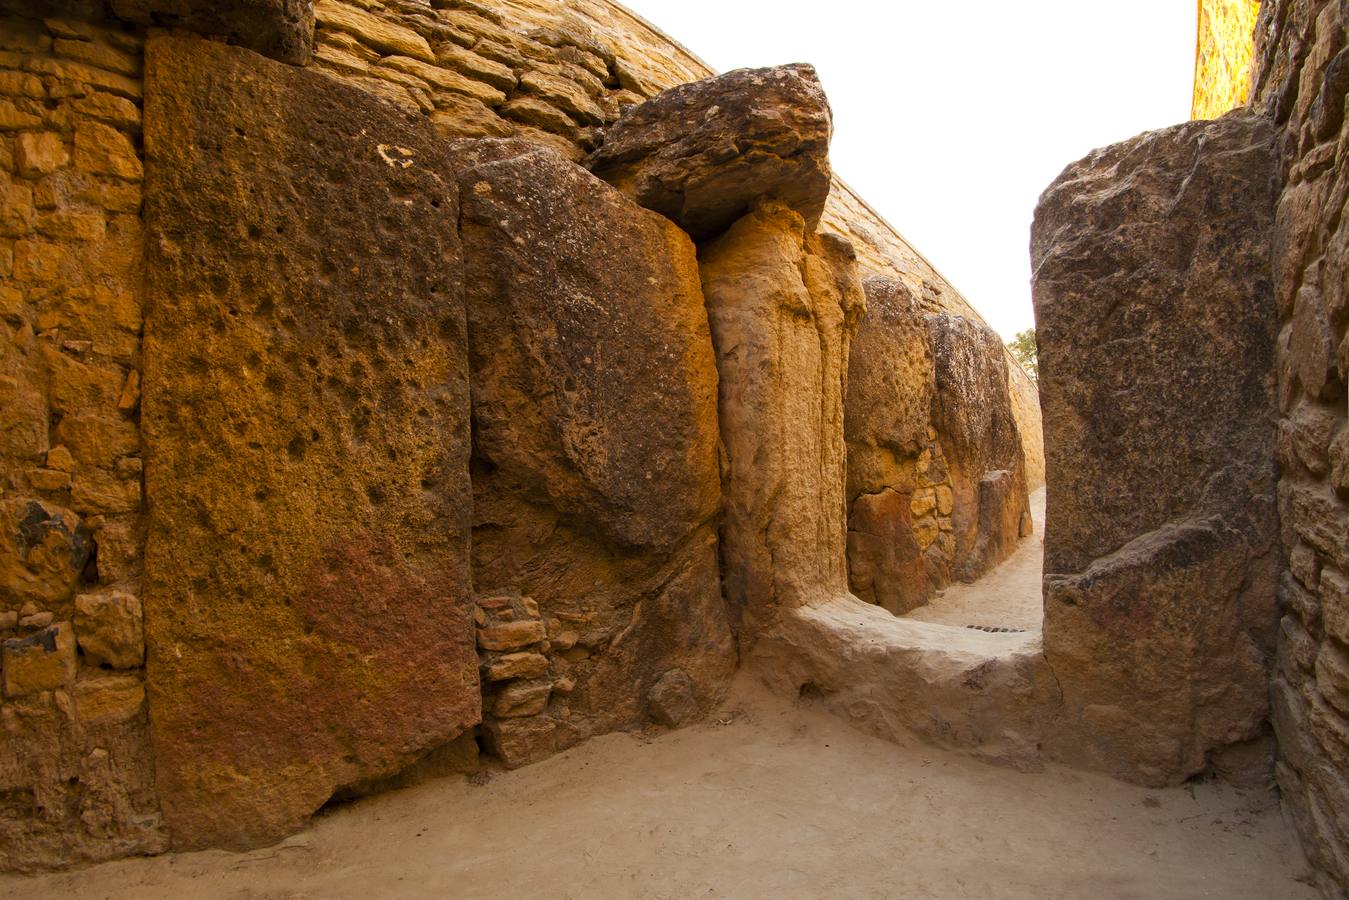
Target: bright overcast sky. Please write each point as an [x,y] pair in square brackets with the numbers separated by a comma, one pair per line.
[951,118]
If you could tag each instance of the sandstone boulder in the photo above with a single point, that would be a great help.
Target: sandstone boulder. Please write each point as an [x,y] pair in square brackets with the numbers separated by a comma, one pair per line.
[783,305]
[595,473]
[305,417]
[1156,326]
[703,153]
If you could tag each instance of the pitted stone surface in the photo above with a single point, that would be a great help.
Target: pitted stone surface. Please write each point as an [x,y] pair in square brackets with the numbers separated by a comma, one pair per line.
[306,595]
[595,450]
[1157,329]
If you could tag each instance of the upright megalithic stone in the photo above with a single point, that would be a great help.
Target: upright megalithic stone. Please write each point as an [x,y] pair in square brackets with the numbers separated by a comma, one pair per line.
[306,427]
[1156,328]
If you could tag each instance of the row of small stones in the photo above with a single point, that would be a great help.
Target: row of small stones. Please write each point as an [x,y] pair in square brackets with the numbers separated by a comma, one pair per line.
[513,642]
[560,89]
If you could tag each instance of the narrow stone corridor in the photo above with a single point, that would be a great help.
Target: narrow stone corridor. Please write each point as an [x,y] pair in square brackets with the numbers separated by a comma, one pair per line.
[1008,597]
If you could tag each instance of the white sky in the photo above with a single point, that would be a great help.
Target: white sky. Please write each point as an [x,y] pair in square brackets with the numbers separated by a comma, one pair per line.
[951,117]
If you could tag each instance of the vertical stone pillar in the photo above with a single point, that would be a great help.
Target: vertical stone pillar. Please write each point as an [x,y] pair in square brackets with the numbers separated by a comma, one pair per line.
[783,305]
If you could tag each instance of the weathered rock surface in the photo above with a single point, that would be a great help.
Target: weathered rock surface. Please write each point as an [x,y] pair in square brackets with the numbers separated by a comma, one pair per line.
[305,417]
[703,153]
[281,29]
[43,661]
[82,753]
[936,483]
[595,447]
[972,414]
[1301,80]
[896,677]
[1156,329]
[72,236]
[44,549]
[110,630]
[783,305]
[893,454]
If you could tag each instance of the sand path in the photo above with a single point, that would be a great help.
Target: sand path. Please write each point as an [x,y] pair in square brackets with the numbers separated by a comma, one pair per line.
[1007,597]
[771,798]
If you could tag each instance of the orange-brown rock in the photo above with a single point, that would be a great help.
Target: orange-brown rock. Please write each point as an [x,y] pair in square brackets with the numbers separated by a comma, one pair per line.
[44,549]
[43,661]
[305,416]
[90,743]
[936,478]
[972,414]
[783,304]
[1156,328]
[893,454]
[595,446]
[109,630]
[703,153]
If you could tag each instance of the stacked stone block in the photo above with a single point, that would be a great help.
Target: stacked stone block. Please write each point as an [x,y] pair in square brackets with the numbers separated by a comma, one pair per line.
[474,75]
[73,742]
[525,665]
[1302,82]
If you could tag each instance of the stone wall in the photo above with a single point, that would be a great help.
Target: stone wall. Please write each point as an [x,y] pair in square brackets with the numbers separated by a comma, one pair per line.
[595,443]
[936,478]
[78,774]
[75,768]
[557,73]
[1156,334]
[1301,84]
[306,439]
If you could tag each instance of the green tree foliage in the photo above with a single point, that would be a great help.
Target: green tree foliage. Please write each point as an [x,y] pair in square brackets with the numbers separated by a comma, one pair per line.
[1023,348]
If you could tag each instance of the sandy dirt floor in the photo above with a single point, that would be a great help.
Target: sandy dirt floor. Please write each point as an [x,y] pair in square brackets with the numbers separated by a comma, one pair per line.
[1007,597]
[770,798]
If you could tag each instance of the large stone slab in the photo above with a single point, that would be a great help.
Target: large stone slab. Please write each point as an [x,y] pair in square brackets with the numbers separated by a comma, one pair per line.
[702,153]
[596,484]
[305,418]
[893,454]
[783,304]
[1157,330]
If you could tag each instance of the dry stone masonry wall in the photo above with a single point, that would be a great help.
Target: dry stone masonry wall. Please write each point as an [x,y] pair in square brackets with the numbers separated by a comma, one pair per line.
[76,778]
[1301,85]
